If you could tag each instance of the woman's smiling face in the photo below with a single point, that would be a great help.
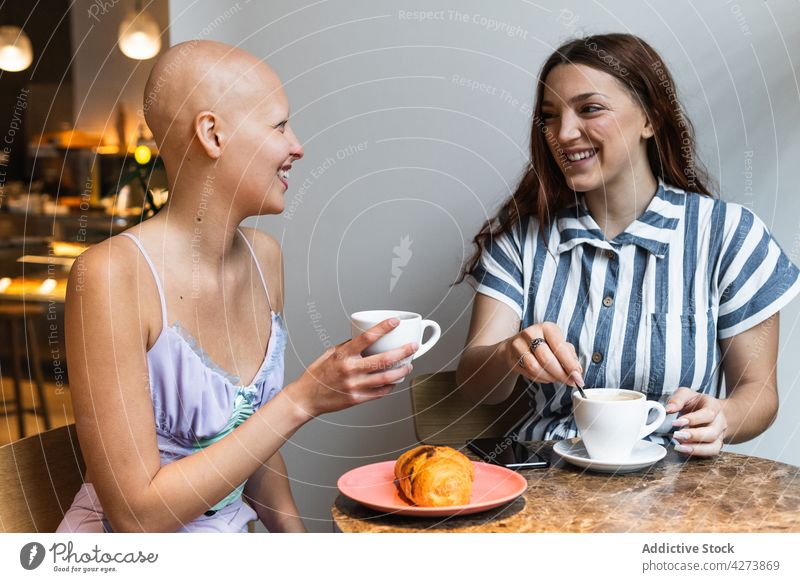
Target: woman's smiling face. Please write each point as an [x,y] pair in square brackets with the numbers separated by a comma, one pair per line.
[263,148]
[595,130]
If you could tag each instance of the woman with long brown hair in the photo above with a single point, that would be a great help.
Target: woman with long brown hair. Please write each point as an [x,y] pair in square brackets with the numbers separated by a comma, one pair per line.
[614,253]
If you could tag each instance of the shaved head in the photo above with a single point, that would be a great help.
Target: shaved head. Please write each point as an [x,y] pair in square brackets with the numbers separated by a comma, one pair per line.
[202,75]
[220,118]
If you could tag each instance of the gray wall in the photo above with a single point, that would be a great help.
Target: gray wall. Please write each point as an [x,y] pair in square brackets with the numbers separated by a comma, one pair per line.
[437,156]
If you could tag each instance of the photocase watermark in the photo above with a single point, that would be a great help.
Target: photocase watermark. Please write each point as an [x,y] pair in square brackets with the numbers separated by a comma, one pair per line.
[197,235]
[690,171]
[100,8]
[487,22]
[505,96]
[31,555]
[501,447]
[83,225]
[316,322]
[570,21]
[402,255]
[747,175]
[552,142]
[69,560]
[318,171]
[14,126]
[184,51]
[736,10]
[53,344]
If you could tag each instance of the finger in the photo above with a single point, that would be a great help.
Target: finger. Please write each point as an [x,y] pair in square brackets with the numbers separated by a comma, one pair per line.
[526,362]
[520,352]
[697,418]
[532,369]
[704,434]
[679,399]
[386,359]
[700,450]
[564,352]
[545,357]
[567,358]
[383,378]
[577,359]
[375,393]
[373,334]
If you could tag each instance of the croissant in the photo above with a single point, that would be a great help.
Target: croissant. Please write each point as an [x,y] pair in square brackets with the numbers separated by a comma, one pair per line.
[431,476]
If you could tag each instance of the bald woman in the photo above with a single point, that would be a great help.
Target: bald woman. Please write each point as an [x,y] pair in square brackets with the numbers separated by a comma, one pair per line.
[174,332]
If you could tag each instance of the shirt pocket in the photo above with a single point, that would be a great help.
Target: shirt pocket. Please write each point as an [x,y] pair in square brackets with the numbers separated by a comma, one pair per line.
[678,352]
[676,356]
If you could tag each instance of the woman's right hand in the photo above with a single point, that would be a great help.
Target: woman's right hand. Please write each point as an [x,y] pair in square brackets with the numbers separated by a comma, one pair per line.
[553,360]
[341,377]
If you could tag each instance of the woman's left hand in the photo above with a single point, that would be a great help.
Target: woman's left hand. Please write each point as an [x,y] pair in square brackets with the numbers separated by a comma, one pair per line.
[702,424]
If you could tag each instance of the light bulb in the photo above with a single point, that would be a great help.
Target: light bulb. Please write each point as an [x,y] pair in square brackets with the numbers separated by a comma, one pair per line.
[139,36]
[142,154]
[16,52]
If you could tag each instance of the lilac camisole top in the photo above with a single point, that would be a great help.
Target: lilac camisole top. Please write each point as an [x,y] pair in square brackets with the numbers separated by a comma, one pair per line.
[196,403]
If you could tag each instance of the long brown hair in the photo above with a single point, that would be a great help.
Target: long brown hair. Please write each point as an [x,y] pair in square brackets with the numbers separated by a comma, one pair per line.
[543,190]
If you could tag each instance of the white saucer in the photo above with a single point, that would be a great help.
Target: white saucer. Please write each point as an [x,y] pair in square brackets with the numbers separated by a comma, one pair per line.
[644,454]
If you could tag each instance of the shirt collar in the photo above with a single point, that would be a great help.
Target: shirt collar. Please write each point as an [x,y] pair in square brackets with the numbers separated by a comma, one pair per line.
[652,230]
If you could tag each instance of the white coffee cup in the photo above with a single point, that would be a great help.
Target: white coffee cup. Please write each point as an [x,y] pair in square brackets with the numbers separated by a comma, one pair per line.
[611,421]
[410,330]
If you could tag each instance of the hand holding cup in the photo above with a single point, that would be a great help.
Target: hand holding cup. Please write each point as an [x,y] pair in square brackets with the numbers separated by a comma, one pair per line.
[342,377]
[410,330]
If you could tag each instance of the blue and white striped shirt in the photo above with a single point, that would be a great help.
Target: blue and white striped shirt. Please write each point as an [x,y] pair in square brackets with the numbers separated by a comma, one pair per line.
[647,307]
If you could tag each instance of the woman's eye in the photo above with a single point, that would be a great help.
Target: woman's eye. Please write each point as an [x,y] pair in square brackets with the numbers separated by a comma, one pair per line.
[547,116]
[281,126]
[591,109]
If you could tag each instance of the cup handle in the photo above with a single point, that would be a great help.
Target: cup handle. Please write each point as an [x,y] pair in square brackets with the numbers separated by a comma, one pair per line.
[662,414]
[437,332]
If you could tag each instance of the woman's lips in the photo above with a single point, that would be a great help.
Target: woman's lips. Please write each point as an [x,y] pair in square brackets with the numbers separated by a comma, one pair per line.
[570,164]
[283,176]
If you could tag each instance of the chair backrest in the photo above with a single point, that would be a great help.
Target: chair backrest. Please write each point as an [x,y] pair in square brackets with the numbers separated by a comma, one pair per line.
[443,416]
[39,477]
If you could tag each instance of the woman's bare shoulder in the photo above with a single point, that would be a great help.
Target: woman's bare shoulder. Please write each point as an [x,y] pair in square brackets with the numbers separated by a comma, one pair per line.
[266,247]
[105,263]
[105,279]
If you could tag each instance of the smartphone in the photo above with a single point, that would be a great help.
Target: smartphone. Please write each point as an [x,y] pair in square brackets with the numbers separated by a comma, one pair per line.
[507,452]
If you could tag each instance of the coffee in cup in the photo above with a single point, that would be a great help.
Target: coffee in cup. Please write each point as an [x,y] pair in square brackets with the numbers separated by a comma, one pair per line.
[410,330]
[611,421]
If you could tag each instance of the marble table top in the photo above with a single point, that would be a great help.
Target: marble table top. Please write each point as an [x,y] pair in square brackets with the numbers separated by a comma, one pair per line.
[728,493]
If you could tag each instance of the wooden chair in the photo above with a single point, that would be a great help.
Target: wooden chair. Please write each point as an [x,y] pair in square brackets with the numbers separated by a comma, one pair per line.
[22,318]
[443,416]
[39,477]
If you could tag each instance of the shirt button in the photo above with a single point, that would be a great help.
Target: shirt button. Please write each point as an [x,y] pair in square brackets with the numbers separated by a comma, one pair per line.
[597,357]
[608,301]
[611,255]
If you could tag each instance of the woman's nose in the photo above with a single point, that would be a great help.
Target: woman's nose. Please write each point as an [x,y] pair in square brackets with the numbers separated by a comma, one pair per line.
[296,148]
[570,128]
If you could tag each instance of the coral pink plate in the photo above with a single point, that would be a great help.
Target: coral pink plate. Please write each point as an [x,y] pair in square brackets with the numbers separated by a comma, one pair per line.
[373,486]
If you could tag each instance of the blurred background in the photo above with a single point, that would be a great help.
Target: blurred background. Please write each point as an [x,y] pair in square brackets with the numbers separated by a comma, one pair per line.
[415,118]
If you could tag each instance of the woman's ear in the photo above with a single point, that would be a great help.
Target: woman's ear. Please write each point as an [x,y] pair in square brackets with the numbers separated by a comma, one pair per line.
[208,133]
[647,130]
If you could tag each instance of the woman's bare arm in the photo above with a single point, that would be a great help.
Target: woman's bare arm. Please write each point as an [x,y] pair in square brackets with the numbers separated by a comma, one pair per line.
[107,335]
[498,353]
[750,361]
[483,374]
[270,495]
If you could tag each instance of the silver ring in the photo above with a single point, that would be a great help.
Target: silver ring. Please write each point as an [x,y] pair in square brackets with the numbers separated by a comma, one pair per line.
[536,342]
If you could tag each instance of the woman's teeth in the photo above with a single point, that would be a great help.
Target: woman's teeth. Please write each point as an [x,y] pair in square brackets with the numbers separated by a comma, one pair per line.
[581,155]
[283,175]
